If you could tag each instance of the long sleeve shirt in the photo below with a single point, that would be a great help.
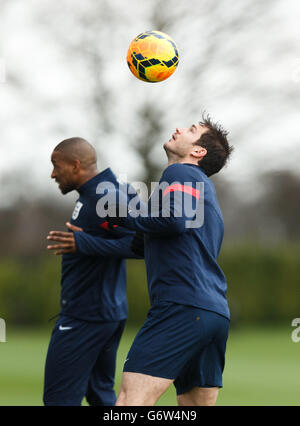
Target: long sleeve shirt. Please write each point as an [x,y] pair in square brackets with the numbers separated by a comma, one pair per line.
[183,237]
[93,283]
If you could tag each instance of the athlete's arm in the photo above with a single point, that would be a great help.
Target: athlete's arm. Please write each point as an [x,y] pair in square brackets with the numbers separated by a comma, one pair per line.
[165,224]
[89,245]
[180,200]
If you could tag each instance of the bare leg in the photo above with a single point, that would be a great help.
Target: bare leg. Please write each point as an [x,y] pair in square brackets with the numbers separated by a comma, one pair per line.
[198,397]
[140,389]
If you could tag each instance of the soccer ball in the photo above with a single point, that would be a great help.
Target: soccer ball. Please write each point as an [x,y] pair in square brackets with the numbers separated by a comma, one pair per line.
[152,56]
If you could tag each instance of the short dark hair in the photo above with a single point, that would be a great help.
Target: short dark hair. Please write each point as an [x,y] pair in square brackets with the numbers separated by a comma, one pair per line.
[77,148]
[214,140]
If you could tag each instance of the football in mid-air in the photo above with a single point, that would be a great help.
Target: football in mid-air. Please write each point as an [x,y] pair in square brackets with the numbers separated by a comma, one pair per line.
[152,56]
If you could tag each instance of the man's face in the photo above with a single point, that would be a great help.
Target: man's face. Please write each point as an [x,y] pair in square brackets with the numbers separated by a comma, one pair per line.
[63,172]
[182,142]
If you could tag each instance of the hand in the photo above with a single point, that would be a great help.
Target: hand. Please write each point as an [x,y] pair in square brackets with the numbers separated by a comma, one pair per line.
[137,244]
[66,239]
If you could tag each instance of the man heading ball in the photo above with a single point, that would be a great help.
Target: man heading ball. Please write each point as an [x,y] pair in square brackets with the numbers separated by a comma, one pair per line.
[183,339]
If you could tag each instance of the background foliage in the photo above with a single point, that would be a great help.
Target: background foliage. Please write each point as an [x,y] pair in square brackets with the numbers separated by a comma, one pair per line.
[262,286]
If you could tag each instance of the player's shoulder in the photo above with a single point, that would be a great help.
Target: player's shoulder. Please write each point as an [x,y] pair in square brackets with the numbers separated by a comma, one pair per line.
[184,171]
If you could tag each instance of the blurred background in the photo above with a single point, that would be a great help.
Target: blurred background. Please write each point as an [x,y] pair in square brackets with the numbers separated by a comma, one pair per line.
[63,73]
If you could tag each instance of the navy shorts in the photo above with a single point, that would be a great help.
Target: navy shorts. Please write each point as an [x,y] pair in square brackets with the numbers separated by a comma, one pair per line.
[183,343]
[81,362]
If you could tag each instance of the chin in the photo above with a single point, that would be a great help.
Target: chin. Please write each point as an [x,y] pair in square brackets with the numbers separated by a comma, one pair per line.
[167,146]
[170,149]
[65,189]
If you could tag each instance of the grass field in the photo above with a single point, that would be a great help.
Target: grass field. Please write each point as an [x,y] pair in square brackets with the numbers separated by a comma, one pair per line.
[262,367]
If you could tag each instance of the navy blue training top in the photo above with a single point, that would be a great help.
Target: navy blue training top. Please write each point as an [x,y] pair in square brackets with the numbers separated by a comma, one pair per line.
[94,278]
[181,259]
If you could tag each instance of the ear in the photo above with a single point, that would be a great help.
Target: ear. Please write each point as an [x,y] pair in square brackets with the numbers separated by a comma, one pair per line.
[76,166]
[198,152]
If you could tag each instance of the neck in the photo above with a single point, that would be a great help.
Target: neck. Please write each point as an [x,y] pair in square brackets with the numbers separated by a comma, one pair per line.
[86,176]
[176,160]
[172,158]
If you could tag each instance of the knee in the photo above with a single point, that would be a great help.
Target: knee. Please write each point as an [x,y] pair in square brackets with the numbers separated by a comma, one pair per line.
[199,397]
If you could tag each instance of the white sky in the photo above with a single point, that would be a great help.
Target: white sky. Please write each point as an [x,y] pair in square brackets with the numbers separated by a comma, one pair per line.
[49,104]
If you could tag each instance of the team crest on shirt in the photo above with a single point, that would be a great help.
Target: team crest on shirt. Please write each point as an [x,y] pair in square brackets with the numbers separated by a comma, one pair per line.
[76,210]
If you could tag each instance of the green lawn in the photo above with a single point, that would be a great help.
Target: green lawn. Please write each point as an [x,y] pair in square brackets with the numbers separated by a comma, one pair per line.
[262,367]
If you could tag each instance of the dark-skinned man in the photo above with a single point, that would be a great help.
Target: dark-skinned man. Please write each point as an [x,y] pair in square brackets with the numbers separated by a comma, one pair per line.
[81,356]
